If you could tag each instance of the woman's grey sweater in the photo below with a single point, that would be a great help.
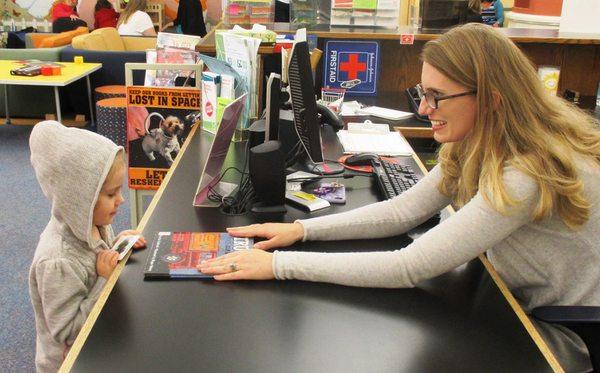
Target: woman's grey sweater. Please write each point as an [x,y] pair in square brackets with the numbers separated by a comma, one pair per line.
[543,263]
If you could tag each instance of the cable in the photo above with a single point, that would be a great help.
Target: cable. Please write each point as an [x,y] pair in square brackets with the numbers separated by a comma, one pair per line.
[236,204]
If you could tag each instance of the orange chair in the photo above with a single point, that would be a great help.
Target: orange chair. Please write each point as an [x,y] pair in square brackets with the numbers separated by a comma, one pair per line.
[56,40]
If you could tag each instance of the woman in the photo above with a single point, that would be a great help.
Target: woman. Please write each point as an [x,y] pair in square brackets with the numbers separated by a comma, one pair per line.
[190,18]
[133,21]
[523,168]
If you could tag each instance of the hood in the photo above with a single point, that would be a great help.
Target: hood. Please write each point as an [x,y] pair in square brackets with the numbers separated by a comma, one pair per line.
[71,165]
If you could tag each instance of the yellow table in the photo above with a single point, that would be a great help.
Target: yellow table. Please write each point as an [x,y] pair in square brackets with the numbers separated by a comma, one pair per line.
[70,73]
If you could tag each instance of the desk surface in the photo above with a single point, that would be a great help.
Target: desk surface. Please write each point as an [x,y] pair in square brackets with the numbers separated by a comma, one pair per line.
[456,322]
[70,73]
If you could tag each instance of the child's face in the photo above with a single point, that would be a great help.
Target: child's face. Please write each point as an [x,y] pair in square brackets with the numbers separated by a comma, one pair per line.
[110,197]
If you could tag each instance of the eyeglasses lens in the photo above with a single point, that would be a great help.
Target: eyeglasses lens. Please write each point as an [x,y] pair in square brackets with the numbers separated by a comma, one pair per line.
[429,97]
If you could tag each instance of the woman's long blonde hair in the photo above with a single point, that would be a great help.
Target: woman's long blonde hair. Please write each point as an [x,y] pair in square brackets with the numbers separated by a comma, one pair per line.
[132,7]
[517,123]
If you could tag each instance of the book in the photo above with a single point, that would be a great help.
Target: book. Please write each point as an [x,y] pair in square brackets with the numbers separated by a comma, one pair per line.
[173,55]
[177,254]
[158,122]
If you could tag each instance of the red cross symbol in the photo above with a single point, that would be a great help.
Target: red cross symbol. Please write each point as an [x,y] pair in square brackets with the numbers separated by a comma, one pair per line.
[353,67]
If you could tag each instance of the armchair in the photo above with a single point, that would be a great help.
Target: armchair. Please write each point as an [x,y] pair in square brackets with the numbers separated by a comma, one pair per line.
[583,320]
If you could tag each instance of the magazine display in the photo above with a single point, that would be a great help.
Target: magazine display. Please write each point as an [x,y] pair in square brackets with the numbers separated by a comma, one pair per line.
[158,121]
[177,254]
[174,49]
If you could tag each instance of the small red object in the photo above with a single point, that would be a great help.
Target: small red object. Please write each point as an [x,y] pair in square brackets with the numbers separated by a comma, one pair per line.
[408,39]
[56,70]
[46,70]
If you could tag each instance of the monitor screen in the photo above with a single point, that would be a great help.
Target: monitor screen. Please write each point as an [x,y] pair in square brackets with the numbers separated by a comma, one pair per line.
[304,105]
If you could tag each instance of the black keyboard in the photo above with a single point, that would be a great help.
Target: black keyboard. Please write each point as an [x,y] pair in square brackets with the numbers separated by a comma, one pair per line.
[393,178]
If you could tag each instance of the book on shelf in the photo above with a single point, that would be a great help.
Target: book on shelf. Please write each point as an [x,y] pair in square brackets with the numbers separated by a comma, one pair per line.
[177,254]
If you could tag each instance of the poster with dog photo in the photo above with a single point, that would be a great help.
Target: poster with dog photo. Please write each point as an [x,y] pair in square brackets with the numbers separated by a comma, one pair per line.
[158,121]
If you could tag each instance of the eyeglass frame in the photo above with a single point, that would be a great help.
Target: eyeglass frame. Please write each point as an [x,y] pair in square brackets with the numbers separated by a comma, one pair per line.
[422,94]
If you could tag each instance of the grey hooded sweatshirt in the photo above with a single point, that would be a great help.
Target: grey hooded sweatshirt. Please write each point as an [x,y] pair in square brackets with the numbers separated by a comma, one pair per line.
[71,166]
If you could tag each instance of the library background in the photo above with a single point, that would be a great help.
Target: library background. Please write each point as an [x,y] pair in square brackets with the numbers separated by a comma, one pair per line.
[245,86]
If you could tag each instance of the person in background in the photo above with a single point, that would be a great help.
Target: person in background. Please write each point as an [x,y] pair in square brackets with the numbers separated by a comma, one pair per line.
[134,21]
[73,258]
[190,18]
[282,10]
[492,12]
[474,11]
[64,16]
[521,166]
[105,15]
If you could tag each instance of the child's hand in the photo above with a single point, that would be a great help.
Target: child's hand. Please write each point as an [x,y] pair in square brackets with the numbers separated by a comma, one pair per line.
[141,242]
[106,261]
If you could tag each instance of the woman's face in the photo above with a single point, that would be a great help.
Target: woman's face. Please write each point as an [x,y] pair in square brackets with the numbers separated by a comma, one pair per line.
[455,117]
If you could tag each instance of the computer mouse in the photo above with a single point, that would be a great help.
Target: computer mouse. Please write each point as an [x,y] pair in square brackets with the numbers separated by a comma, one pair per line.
[361,159]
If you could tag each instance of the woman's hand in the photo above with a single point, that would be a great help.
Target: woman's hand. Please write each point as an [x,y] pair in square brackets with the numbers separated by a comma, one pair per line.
[240,265]
[277,234]
[106,261]
[141,242]
[73,17]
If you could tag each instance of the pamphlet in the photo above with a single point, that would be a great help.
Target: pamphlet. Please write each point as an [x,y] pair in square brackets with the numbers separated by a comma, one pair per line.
[177,254]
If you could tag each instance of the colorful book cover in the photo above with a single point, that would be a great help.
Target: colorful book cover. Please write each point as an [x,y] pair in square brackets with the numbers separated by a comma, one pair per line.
[173,55]
[158,121]
[176,254]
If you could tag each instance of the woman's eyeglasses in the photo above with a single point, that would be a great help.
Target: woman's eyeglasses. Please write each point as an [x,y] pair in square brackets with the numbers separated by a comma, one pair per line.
[432,99]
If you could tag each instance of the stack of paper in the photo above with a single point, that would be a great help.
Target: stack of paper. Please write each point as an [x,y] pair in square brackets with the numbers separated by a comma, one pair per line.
[373,138]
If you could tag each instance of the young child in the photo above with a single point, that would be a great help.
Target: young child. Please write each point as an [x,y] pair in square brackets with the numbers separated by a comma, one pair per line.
[81,173]
[492,12]
[105,15]
[65,17]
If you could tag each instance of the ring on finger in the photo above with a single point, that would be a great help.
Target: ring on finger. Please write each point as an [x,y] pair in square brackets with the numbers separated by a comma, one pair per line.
[233,267]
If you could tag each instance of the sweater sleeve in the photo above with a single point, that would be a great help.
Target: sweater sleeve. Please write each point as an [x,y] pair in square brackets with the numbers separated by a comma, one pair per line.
[62,11]
[383,219]
[471,231]
[66,301]
[499,12]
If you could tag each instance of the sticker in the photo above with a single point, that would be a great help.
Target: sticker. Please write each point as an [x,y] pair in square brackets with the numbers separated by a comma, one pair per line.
[407,39]
[304,195]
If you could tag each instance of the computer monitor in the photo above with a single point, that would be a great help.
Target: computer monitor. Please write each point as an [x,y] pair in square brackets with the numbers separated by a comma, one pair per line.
[304,108]
[272,110]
